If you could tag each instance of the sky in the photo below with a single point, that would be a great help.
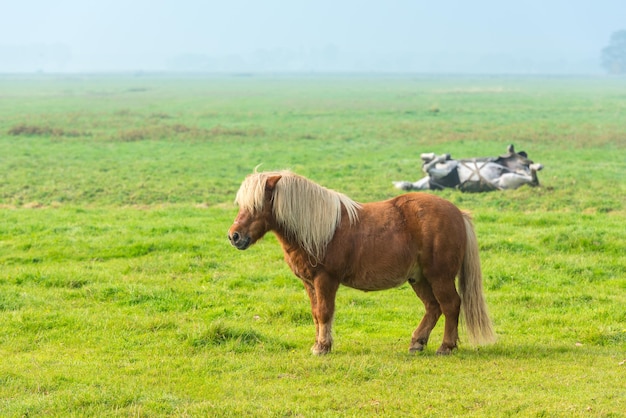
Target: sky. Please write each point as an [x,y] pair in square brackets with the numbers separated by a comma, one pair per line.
[445,36]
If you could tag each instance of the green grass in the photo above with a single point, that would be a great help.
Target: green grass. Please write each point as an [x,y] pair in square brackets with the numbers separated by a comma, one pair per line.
[120,295]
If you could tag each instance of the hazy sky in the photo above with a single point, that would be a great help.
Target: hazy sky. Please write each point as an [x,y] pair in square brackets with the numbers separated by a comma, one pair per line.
[319,35]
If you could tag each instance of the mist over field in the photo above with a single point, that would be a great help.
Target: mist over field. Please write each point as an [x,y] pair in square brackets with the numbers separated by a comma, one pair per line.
[486,36]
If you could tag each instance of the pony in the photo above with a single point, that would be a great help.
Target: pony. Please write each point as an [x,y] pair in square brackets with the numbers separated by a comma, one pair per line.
[329,240]
[508,171]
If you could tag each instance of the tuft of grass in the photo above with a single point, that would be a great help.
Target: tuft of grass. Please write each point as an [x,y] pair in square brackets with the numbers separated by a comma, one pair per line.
[218,333]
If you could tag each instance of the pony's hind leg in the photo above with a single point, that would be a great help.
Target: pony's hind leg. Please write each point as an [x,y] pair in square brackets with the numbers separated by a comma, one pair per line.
[450,304]
[433,312]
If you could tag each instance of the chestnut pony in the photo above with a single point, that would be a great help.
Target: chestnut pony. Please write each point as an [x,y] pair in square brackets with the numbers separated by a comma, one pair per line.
[328,239]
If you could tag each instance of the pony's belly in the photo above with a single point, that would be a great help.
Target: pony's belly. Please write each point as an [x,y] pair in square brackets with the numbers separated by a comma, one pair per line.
[372,282]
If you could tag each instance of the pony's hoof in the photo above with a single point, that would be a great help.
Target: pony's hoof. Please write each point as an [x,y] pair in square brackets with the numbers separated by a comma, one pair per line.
[320,349]
[444,350]
[403,185]
[535,167]
[416,347]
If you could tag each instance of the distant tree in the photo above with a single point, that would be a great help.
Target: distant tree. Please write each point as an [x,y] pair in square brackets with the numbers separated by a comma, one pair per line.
[614,55]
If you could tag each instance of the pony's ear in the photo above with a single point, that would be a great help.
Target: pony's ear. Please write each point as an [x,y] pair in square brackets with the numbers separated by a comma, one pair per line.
[270,183]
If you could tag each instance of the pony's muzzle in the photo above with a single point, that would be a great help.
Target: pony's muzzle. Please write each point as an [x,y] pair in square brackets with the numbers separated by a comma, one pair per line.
[239,241]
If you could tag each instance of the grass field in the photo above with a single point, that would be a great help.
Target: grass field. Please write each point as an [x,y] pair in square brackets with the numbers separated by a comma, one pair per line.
[120,295]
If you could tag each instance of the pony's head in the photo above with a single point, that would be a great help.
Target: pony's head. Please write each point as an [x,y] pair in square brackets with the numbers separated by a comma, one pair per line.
[298,209]
[255,209]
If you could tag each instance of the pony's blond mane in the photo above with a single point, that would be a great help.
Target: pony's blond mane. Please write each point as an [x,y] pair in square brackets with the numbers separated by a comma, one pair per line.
[307,212]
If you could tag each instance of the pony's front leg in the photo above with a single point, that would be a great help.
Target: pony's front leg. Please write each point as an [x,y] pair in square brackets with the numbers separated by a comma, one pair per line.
[310,290]
[325,289]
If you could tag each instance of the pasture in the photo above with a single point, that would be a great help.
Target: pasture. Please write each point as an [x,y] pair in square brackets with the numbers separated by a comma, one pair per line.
[121,296]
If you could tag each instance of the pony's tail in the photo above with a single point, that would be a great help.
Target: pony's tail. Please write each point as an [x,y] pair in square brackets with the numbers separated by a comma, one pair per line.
[476,316]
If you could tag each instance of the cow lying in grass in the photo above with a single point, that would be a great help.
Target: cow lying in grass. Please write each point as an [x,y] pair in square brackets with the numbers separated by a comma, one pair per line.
[508,171]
